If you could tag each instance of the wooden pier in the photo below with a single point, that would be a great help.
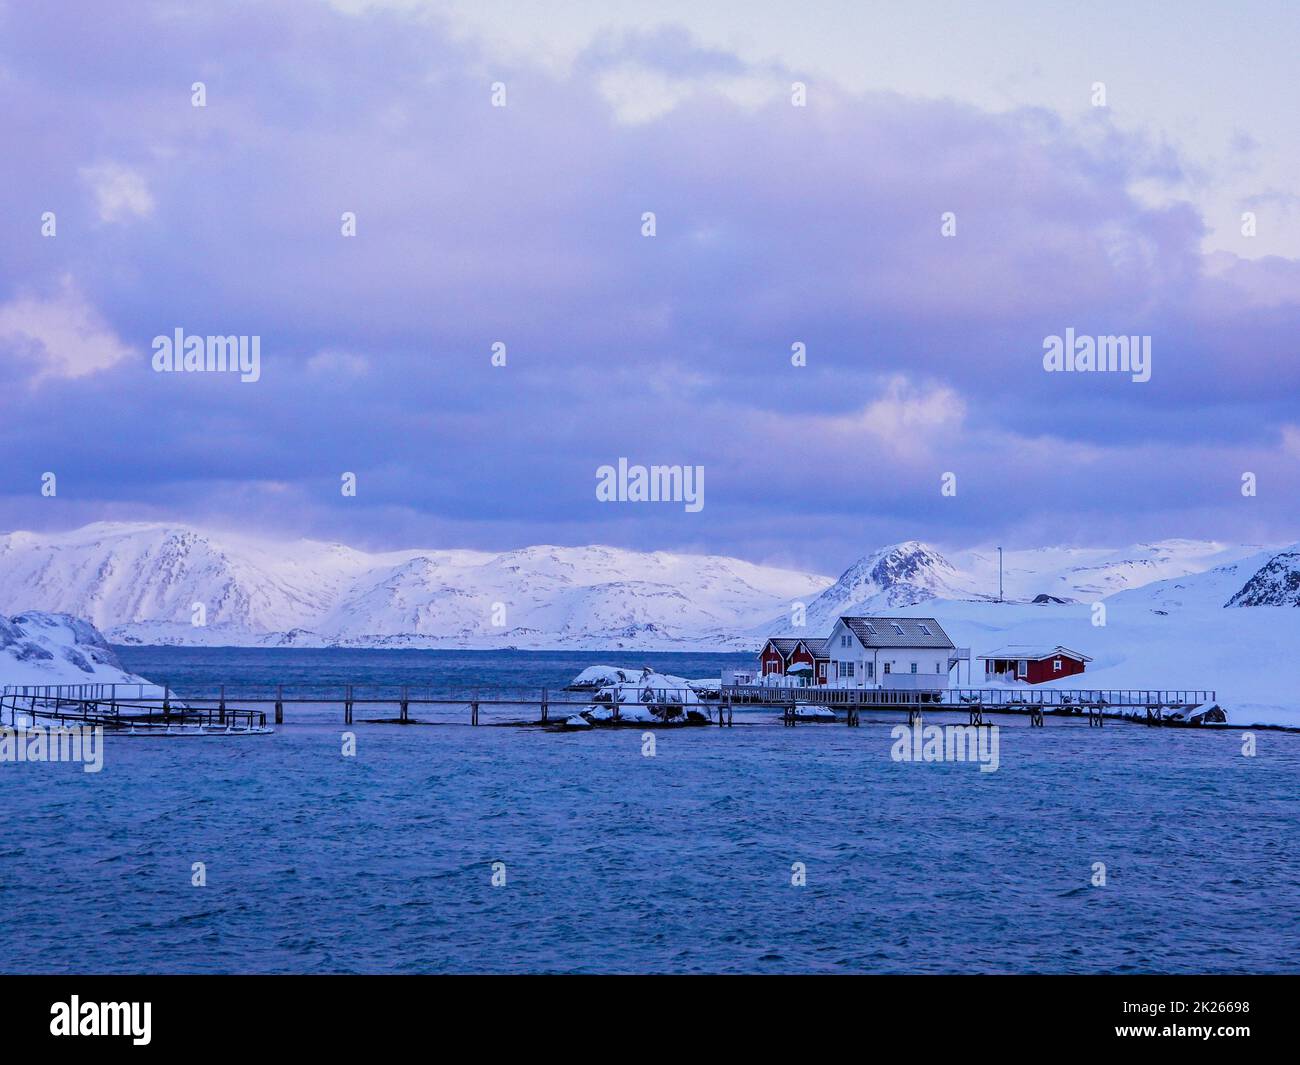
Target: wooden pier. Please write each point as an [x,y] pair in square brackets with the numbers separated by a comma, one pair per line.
[139,717]
[153,706]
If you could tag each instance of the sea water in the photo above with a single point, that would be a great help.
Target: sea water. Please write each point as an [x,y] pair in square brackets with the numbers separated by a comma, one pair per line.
[759,848]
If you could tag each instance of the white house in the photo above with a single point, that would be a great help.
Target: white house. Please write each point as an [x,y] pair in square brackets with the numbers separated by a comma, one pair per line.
[909,653]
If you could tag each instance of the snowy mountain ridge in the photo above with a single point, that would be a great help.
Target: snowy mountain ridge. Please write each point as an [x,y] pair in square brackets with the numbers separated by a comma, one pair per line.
[174,584]
[161,583]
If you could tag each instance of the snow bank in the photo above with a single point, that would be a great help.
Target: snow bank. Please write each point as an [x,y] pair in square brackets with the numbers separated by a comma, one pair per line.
[594,677]
[1249,657]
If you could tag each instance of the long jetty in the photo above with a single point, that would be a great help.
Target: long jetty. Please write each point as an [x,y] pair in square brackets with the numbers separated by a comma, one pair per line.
[124,706]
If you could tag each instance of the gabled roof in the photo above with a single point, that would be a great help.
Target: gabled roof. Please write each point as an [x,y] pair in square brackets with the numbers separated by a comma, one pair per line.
[1033,653]
[785,645]
[883,632]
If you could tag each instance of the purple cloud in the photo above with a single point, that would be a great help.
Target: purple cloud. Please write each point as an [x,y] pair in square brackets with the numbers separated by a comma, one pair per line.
[522,224]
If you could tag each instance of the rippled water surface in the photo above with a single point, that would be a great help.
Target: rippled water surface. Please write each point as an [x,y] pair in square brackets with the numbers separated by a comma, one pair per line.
[679,862]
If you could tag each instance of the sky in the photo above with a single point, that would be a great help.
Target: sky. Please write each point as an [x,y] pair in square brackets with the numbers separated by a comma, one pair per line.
[917,195]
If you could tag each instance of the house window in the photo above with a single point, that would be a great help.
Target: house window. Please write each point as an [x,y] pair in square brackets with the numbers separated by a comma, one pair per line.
[1056,665]
[850,665]
[897,627]
[871,628]
[871,671]
[937,669]
[887,665]
[1022,667]
[913,667]
[925,630]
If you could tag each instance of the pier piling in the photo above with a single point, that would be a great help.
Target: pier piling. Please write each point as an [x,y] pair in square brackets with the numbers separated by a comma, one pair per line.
[279,704]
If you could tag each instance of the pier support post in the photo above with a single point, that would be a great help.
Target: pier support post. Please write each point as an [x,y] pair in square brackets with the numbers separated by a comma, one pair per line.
[546,708]
[1036,717]
[473,710]
[405,705]
[221,708]
[279,704]
[914,717]
[347,704]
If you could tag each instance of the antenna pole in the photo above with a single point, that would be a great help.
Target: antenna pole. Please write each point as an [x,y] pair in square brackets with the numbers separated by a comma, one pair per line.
[999,574]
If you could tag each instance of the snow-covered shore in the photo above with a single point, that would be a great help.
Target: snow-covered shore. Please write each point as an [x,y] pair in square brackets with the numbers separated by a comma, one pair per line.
[38,648]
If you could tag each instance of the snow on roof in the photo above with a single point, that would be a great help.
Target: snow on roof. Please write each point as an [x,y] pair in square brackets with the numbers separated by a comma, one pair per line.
[1033,653]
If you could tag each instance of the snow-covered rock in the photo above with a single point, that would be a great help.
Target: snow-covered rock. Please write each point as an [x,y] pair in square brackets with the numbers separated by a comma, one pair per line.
[1276,583]
[650,689]
[650,697]
[37,648]
[633,713]
[814,713]
[594,677]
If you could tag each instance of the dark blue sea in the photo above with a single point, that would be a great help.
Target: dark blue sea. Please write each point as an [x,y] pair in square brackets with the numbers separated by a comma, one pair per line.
[618,862]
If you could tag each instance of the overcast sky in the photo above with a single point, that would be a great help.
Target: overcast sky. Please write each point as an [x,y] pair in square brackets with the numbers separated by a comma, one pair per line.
[775,225]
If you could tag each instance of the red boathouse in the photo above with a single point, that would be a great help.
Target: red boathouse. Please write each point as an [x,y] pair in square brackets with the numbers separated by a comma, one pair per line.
[1033,665]
[793,656]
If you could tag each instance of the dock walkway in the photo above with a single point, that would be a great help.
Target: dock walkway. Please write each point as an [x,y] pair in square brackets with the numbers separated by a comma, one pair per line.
[127,707]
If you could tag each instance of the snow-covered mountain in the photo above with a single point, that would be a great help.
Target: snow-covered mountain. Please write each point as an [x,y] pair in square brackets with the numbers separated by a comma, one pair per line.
[155,583]
[37,648]
[1088,574]
[912,573]
[162,583]
[900,575]
[1276,583]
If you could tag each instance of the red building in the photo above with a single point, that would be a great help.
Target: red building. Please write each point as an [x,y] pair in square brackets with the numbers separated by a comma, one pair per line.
[794,656]
[1033,665]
